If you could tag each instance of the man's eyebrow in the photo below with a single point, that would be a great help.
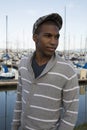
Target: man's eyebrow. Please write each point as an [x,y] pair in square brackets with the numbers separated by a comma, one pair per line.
[51,34]
[48,33]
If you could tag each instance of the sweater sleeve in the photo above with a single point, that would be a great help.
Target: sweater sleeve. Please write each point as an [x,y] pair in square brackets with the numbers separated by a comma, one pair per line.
[18,107]
[70,96]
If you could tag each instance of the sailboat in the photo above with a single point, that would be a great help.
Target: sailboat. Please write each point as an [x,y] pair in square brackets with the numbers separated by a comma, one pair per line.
[5,72]
[83,65]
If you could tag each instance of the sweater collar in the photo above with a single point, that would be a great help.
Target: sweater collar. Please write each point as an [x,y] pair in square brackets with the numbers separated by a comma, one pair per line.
[49,65]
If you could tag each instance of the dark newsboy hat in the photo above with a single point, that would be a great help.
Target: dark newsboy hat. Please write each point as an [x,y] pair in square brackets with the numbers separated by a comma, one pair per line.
[53,17]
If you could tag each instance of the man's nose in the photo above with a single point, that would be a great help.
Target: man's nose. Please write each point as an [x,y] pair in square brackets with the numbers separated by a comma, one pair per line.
[54,40]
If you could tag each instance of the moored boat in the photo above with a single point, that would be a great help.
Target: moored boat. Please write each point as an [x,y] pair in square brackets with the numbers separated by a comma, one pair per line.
[5,73]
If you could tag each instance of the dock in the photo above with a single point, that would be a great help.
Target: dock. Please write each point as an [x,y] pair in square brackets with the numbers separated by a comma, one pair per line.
[13,82]
[8,82]
[82,81]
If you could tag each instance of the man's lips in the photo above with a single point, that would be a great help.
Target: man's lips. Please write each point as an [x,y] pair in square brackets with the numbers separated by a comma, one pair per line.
[51,48]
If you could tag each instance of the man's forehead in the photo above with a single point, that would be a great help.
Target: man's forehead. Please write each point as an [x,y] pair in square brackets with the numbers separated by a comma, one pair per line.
[49,28]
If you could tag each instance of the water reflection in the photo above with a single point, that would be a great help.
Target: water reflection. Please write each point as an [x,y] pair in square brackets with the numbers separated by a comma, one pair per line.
[7,102]
[82,117]
[82,90]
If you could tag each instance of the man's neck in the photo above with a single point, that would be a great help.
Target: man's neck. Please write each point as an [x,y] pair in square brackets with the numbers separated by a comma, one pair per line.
[40,59]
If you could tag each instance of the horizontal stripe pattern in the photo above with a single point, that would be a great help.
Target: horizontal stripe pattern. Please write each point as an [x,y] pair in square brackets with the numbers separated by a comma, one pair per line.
[68,123]
[72,112]
[29,128]
[45,96]
[67,64]
[46,109]
[54,73]
[26,91]
[42,120]
[70,101]
[26,80]
[17,110]
[71,89]
[18,102]
[55,99]
[16,120]
[45,84]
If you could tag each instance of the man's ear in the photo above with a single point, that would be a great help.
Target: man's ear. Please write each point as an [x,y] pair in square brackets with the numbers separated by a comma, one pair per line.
[35,38]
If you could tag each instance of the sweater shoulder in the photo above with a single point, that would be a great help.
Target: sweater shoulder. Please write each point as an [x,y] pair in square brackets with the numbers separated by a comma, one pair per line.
[22,62]
[66,66]
[25,61]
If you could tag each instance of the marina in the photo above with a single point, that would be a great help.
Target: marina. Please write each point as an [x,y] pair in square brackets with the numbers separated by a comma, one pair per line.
[74,57]
[9,60]
[16,26]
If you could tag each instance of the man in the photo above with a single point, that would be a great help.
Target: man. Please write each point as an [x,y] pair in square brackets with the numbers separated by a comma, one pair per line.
[47,92]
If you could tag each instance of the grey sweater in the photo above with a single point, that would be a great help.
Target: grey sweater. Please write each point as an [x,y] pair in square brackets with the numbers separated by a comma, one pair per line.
[49,102]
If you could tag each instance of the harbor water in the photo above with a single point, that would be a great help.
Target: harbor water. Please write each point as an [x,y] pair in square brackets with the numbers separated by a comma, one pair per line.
[8,98]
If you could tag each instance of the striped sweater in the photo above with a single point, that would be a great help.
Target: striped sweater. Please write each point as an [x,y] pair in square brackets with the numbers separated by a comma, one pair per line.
[49,102]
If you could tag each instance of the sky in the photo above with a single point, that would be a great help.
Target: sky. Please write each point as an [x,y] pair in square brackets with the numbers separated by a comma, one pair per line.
[23,13]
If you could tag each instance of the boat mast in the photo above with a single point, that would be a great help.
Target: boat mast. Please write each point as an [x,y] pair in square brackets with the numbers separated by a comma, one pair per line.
[81,45]
[6,34]
[64,29]
[86,46]
[68,46]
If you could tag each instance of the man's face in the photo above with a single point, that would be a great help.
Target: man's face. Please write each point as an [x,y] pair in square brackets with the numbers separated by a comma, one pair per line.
[47,39]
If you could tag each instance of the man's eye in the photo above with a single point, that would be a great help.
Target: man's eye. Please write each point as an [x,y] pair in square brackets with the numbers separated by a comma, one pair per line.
[48,35]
